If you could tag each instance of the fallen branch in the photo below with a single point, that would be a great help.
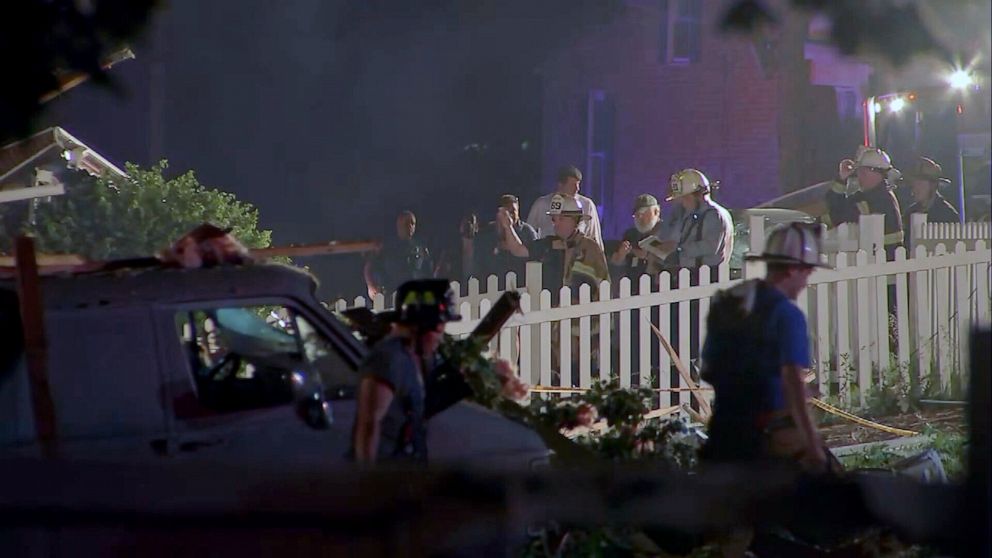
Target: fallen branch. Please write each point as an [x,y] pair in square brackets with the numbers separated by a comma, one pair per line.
[704,406]
[601,425]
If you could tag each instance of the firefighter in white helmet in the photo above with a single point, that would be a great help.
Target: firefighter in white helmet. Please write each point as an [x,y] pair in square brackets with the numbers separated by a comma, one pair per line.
[581,258]
[570,259]
[568,184]
[756,357]
[876,179]
[702,232]
[862,187]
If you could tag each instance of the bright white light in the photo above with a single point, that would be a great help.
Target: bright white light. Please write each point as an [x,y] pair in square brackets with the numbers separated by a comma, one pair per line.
[959,79]
[897,104]
[877,107]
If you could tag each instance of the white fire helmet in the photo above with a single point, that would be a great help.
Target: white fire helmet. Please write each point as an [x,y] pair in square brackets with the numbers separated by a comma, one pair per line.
[567,206]
[794,243]
[875,158]
[687,181]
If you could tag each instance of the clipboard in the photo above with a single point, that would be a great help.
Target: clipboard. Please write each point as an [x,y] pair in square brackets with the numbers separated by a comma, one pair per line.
[652,245]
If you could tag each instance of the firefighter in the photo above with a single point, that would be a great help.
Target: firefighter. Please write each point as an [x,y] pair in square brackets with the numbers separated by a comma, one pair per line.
[581,258]
[925,180]
[756,356]
[876,179]
[840,205]
[568,184]
[390,422]
[703,232]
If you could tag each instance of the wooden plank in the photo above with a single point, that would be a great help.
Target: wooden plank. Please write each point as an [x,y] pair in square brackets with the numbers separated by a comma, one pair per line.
[35,346]
[585,340]
[644,340]
[316,249]
[625,338]
[605,335]
[864,331]
[693,391]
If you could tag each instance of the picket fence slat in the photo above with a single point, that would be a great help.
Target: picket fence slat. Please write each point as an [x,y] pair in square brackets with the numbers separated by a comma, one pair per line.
[844,355]
[902,320]
[983,295]
[943,320]
[922,310]
[881,307]
[625,337]
[585,340]
[527,370]
[962,313]
[565,341]
[643,334]
[605,335]
[665,325]
[864,331]
[822,339]
[545,344]
[684,336]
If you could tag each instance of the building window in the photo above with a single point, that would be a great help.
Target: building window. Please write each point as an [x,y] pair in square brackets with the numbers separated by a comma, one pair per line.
[681,31]
[599,149]
[848,103]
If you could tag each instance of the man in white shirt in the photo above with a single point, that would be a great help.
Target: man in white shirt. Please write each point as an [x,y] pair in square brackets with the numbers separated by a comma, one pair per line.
[569,180]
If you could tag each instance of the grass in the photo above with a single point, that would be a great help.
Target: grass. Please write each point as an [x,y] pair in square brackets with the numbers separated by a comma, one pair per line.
[951,447]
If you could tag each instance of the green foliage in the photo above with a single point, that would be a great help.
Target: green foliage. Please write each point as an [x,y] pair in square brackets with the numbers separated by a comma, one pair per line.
[952,448]
[891,395]
[101,219]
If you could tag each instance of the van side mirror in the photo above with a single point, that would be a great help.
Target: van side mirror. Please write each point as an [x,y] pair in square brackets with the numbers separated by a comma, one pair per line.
[311,404]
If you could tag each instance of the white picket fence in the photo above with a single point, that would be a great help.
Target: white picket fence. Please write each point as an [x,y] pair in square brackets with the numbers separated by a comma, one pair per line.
[922,233]
[867,318]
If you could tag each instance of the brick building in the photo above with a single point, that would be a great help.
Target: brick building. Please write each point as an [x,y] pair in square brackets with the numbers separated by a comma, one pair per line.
[660,88]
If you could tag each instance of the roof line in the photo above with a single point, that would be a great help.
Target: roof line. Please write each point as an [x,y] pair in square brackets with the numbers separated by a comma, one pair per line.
[27,161]
[97,156]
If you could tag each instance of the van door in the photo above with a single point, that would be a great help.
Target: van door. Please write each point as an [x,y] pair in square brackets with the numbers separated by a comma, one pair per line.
[229,392]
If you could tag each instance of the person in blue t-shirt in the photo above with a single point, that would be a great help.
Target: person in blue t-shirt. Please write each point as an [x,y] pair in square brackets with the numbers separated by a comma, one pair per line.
[757,354]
